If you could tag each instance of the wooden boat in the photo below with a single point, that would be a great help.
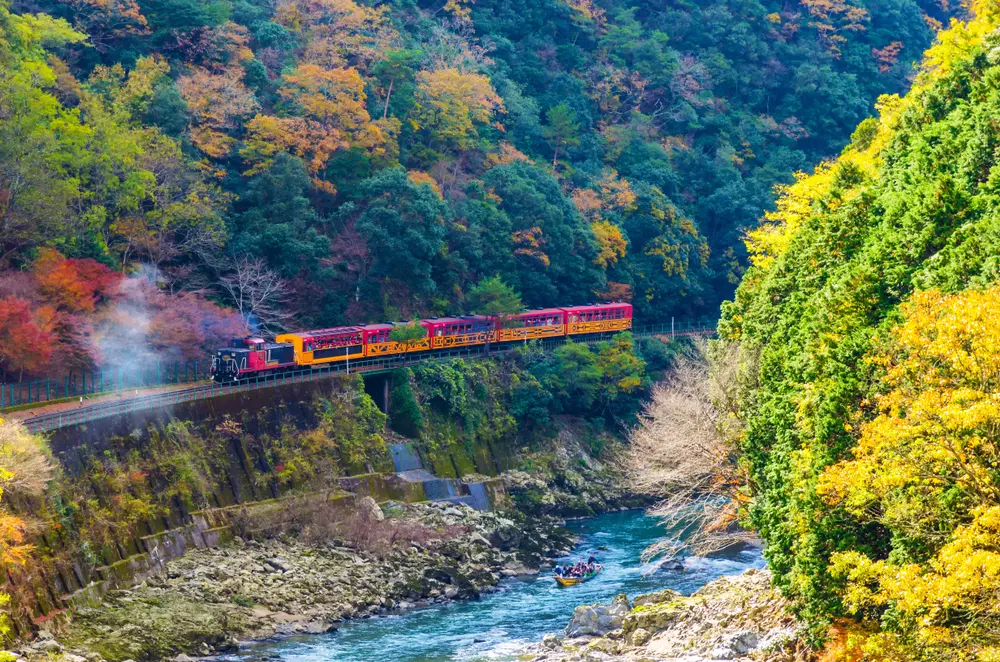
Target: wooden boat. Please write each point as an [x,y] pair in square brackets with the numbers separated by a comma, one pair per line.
[573,581]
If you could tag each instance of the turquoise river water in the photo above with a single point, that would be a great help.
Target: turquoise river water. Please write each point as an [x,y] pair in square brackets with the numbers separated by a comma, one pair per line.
[499,625]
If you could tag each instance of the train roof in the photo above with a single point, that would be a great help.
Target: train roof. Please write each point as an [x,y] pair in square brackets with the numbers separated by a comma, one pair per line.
[598,306]
[542,311]
[456,320]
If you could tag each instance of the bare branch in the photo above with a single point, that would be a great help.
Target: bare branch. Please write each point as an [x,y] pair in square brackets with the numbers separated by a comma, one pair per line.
[684,452]
[258,293]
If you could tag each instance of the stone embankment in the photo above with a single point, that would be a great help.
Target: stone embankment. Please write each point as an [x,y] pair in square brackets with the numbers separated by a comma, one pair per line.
[733,618]
[210,599]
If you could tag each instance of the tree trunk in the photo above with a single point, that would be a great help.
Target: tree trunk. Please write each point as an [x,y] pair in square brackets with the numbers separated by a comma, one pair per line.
[388,95]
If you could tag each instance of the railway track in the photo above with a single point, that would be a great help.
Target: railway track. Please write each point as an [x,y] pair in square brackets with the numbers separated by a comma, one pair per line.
[110,409]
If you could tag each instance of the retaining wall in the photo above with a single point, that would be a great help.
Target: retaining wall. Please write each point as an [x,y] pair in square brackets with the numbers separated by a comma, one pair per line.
[62,575]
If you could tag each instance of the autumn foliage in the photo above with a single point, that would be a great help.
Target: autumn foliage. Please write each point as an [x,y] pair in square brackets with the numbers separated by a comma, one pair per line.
[72,284]
[580,149]
[25,342]
[871,438]
[925,468]
[66,315]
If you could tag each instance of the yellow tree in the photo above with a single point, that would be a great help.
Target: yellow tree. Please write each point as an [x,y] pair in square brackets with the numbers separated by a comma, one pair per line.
[339,32]
[450,104]
[311,141]
[25,468]
[332,102]
[216,101]
[333,97]
[129,92]
[925,468]
[831,18]
[611,241]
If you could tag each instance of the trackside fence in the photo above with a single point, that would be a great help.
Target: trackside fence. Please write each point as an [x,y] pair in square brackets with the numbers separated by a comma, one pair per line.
[103,381]
[128,404]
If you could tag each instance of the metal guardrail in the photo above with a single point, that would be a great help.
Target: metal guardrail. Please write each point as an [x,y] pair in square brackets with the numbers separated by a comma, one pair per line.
[104,410]
[103,381]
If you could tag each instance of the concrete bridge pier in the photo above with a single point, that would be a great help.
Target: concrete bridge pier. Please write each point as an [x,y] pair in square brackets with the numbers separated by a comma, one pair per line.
[378,386]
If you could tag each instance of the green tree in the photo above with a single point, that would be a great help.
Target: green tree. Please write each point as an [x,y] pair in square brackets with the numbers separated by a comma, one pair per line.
[562,130]
[404,225]
[571,374]
[494,298]
[406,416]
[407,334]
[553,246]
[623,376]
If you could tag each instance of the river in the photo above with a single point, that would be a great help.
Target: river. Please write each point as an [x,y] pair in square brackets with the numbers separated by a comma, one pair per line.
[499,625]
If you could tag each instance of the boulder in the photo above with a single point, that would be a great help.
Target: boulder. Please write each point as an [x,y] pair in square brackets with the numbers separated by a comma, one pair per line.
[46,646]
[551,641]
[641,636]
[370,506]
[655,617]
[735,645]
[597,619]
[278,564]
[672,565]
[666,595]
[605,646]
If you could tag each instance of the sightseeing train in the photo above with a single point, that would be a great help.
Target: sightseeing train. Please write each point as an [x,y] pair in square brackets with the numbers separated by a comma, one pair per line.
[249,357]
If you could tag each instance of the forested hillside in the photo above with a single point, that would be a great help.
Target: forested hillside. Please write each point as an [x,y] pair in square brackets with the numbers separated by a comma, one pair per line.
[871,318]
[330,161]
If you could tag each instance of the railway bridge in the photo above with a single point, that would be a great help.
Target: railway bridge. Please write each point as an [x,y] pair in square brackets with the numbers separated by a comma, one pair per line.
[375,371]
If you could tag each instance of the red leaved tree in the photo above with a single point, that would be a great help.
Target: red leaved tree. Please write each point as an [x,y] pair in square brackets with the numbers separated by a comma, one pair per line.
[25,343]
[73,284]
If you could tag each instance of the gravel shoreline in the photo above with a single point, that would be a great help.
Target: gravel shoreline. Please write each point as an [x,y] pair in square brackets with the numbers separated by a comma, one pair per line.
[213,601]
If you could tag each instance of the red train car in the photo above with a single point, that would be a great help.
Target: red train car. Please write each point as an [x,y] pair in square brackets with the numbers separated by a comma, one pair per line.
[448,332]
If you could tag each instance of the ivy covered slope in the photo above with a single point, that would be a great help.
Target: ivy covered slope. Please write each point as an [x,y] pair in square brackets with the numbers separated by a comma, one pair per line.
[379,158]
[871,440]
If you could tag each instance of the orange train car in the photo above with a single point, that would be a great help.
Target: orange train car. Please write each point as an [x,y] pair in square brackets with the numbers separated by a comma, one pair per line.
[251,356]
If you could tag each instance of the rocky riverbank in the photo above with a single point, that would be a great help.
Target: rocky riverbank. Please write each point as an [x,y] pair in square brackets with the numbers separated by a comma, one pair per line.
[733,618]
[567,480]
[209,600]
[307,573]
